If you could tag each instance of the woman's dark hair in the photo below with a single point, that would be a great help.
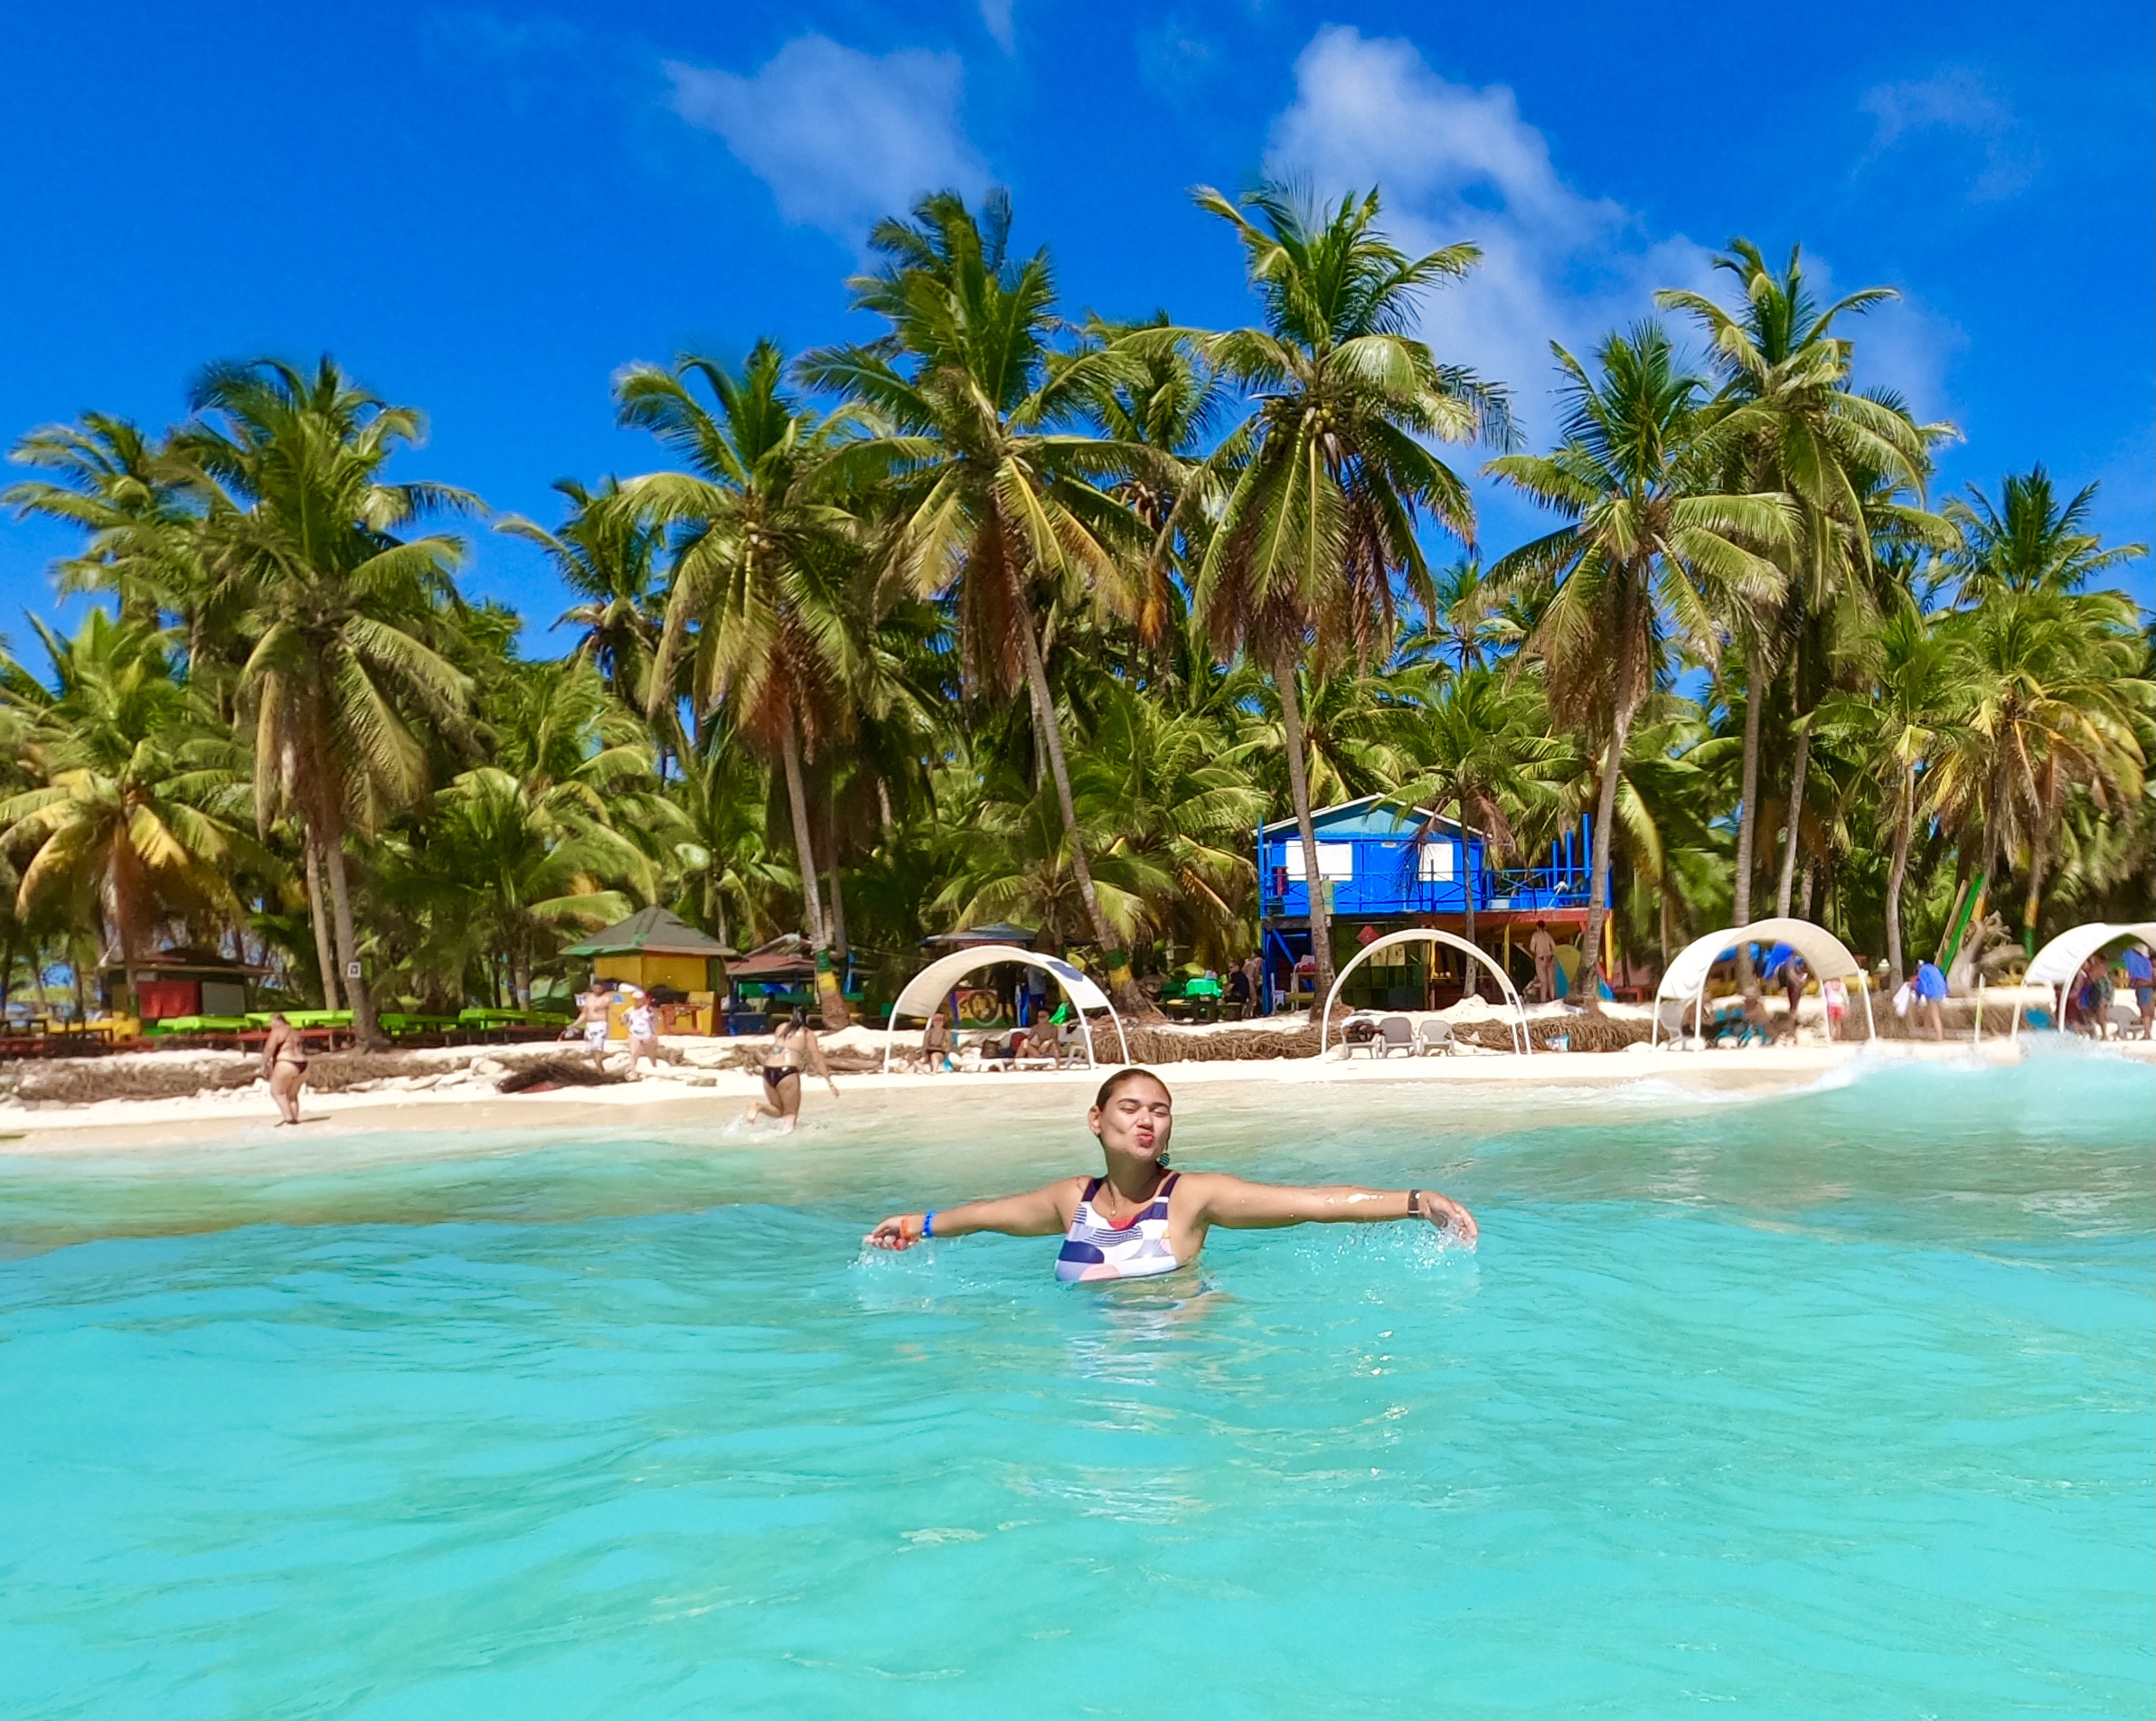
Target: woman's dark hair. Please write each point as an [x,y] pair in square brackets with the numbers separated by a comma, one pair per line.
[1122,1078]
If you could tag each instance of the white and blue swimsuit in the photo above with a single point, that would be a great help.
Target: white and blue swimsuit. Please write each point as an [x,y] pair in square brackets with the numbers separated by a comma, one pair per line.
[1097,1248]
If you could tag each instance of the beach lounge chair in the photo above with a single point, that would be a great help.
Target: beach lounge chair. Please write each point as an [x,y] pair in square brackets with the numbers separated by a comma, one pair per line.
[1435,1036]
[1396,1031]
[1358,1033]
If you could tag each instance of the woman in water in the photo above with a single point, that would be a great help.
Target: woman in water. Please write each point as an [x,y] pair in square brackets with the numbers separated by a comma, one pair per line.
[793,1050]
[1142,1218]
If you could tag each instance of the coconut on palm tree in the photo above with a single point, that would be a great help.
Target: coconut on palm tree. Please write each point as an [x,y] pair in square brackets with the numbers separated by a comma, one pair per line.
[1320,491]
[1797,426]
[1655,553]
[341,614]
[979,437]
[761,594]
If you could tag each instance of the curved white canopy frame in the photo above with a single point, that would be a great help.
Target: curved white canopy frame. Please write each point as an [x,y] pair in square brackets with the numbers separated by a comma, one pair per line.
[1430,935]
[1824,955]
[2055,965]
[925,992]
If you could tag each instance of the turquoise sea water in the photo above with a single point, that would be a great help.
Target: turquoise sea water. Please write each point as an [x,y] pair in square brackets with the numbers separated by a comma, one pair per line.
[1832,1403]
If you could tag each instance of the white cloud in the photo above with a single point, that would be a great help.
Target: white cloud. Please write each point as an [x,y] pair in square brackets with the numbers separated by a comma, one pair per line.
[1957,100]
[842,137]
[995,18]
[1458,163]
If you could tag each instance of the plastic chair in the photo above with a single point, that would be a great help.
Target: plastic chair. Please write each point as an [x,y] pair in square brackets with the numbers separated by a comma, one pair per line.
[1435,1036]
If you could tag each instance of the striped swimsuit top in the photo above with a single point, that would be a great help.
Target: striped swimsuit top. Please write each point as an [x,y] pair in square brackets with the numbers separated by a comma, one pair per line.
[1095,1249]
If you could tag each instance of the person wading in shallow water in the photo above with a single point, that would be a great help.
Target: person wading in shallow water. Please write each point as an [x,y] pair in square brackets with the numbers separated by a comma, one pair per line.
[793,1050]
[285,1067]
[1142,1218]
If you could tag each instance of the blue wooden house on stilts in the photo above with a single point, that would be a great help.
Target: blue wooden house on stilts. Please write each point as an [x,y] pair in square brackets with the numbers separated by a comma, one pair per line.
[1387,868]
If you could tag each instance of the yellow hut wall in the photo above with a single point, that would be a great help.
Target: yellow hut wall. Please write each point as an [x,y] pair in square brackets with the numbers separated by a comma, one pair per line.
[691,974]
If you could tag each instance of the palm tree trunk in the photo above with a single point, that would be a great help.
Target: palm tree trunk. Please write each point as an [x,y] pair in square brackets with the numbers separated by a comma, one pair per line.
[320,920]
[838,913]
[1468,878]
[1899,871]
[2033,901]
[812,902]
[1797,809]
[364,1029]
[1605,814]
[1747,807]
[1049,732]
[1298,788]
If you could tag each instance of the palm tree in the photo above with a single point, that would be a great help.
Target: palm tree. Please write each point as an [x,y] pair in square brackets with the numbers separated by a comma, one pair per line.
[338,610]
[2028,542]
[1917,692]
[127,494]
[606,552]
[132,819]
[2055,707]
[978,436]
[762,588]
[1655,550]
[1319,489]
[1473,749]
[1796,425]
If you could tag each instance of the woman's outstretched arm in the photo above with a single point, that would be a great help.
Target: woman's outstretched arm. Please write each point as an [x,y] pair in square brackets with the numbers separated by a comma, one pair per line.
[1042,1212]
[1237,1206]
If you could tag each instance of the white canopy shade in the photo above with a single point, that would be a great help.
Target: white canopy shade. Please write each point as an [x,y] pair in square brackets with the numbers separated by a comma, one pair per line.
[2060,959]
[2056,963]
[1824,955]
[1430,935]
[925,992]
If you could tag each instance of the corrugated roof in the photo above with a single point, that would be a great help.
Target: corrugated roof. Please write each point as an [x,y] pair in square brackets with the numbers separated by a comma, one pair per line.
[652,932]
[1371,815]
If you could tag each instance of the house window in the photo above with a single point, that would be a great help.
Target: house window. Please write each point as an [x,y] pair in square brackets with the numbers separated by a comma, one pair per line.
[1335,860]
[1437,864]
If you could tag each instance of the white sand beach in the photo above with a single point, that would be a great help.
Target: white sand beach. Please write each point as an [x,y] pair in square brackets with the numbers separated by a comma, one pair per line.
[687,1093]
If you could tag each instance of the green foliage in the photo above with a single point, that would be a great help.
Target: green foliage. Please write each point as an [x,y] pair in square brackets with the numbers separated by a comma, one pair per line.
[998,615]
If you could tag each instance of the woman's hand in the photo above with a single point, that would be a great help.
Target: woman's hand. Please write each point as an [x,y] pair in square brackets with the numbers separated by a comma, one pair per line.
[1448,1215]
[901,1231]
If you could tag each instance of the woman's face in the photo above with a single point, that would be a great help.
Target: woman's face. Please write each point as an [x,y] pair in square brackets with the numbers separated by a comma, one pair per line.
[1137,1119]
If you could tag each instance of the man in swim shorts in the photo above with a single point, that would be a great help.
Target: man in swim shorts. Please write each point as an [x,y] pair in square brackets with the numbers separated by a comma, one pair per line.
[1141,1218]
[2140,974]
[591,1025]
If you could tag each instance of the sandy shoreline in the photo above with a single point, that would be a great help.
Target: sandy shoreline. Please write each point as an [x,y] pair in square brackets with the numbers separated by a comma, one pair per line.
[693,1096]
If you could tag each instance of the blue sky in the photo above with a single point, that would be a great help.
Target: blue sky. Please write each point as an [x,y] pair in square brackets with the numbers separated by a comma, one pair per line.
[486,212]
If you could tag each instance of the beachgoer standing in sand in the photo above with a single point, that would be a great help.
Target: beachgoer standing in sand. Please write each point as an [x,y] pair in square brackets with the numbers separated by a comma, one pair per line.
[643,1031]
[1542,947]
[1142,1219]
[2140,974]
[284,1067]
[1929,988]
[793,1048]
[593,1008]
[1833,996]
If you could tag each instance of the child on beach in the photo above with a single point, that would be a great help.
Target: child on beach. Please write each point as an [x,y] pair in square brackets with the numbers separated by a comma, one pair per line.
[1834,995]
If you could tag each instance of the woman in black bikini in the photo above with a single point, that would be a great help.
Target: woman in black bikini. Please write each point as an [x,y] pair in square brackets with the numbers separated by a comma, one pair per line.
[285,1067]
[792,1049]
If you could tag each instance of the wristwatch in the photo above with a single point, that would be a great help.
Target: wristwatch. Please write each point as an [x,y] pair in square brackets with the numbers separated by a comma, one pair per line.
[1415,1204]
